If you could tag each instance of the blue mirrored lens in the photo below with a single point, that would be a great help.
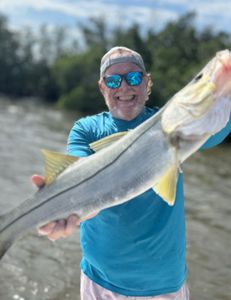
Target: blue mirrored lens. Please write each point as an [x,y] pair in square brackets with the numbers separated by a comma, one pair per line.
[113,81]
[132,78]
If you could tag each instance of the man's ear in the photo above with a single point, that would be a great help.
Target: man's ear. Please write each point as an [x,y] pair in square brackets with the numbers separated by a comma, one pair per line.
[149,84]
[101,86]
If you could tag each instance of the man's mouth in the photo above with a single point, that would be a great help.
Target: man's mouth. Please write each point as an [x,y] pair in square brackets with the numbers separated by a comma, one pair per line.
[126,99]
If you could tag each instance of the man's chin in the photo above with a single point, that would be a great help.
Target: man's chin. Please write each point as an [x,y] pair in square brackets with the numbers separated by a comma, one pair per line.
[126,114]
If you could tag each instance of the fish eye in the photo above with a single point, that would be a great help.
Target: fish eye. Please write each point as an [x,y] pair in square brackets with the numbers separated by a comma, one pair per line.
[199,76]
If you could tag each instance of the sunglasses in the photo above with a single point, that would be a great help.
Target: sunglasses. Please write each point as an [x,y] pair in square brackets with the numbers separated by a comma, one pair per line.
[132,78]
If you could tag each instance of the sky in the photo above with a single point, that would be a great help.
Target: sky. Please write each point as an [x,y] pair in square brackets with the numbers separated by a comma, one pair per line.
[150,14]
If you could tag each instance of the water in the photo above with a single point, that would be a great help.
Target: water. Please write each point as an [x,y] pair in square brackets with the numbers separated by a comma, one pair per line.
[37,269]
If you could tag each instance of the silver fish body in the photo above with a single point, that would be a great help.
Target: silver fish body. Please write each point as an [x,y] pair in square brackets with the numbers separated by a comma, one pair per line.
[131,165]
[99,181]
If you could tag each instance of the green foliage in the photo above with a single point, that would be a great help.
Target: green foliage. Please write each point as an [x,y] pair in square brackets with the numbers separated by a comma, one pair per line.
[174,58]
[95,34]
[53,68]
[77,78]
[9,62]
[76,100]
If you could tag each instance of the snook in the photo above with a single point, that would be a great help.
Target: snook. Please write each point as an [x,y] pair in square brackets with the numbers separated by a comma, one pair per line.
[130,163]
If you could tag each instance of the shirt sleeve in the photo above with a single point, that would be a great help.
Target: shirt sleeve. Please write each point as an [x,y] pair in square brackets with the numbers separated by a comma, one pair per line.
[217,138]
[79,140]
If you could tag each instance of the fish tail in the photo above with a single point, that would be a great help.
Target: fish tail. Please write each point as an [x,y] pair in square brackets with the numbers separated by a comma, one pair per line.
[11,226]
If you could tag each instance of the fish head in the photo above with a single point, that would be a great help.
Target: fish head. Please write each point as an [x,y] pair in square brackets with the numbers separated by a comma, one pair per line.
[202,107]
[204,92]
[216,75]
[220,74]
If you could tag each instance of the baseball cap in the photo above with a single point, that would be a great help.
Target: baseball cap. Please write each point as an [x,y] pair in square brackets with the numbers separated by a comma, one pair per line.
[123,55]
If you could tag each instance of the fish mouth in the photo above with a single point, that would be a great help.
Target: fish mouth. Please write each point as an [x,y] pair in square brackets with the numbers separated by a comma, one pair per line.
[220,73]
[223,78]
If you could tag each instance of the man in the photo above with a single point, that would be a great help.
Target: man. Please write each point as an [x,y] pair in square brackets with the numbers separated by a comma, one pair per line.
[135,250]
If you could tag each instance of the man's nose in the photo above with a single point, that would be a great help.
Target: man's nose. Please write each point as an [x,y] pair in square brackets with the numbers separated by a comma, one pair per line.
[124,85]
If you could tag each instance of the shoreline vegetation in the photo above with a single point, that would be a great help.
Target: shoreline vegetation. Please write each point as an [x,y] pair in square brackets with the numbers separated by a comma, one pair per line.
[54,68]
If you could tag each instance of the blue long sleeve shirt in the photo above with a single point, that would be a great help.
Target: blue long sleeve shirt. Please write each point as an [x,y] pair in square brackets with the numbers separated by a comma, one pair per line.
[137,248]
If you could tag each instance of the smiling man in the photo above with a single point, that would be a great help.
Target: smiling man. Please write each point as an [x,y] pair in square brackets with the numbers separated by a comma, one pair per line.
[124,83]
[136,250]
[129,251]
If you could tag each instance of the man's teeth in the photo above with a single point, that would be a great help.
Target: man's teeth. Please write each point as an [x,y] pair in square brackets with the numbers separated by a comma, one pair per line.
[126,98]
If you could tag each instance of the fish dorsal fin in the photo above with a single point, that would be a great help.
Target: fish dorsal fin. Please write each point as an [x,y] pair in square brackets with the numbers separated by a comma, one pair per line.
[56,163]
[107,141]
[166,187]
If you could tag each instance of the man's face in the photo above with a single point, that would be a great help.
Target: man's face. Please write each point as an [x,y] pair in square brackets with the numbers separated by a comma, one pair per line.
[125,102]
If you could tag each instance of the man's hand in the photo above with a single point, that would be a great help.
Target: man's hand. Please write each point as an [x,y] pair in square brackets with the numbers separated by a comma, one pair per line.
[60,228]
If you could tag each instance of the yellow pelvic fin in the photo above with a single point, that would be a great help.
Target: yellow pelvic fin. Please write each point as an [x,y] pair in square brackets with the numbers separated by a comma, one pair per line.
[56,163]
[166,187]
[107,141]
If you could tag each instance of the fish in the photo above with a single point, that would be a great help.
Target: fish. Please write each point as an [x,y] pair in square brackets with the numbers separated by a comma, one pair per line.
[126,164]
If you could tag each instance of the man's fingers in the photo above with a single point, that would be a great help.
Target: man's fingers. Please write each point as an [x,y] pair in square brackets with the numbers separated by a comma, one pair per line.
[72,221]
[62,228]
[58,230]
[38,180]
[47,229]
